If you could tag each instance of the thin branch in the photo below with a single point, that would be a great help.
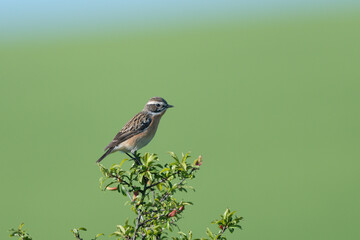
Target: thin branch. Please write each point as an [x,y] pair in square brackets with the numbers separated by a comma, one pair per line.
[221,233]
[181,182]
[137,225]
[77,236]
[143,192]
[153,192]
[157,183]
[127,193]
[163,180]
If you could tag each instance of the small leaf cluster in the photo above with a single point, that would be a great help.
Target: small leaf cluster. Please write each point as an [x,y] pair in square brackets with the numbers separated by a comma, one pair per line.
[22,234]
[227,221]
[150,188]
[76,232]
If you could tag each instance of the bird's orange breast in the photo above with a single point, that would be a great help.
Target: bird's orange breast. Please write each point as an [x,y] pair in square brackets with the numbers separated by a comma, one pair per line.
[142,139]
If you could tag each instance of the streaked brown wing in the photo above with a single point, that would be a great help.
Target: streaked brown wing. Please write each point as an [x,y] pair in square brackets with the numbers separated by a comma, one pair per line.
[133,127]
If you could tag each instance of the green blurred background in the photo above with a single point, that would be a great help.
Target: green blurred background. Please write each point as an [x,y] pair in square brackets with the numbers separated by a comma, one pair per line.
[271,102]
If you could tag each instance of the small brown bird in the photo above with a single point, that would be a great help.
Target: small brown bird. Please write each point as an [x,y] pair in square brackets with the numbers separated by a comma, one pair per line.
[139,131]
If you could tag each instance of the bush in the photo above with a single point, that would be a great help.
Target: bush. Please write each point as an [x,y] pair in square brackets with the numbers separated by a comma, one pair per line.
[150,188]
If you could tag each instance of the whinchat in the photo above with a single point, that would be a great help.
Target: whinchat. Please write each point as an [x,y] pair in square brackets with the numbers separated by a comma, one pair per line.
[140,130]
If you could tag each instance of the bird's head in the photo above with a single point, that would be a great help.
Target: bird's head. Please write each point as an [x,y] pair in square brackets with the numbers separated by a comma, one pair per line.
[157,105]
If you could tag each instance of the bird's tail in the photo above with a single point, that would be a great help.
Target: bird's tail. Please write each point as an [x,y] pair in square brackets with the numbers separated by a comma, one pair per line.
[105,154]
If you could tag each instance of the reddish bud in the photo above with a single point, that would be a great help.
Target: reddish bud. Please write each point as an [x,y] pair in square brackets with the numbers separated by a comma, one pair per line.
[172,213]
[111,188]
[199,162]
[221,227]
[135,194]
[181,208]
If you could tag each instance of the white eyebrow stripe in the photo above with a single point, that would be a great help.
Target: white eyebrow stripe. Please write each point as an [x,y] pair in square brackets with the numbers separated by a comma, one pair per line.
[155,113]
[154,102]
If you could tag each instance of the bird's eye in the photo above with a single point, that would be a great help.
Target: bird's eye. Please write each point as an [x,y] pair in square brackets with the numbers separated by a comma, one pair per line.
[157,105]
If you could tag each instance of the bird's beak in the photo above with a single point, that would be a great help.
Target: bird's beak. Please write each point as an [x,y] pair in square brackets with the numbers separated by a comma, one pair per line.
[169,106]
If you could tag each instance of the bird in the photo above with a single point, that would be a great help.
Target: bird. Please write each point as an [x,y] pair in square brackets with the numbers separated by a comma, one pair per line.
[139,130]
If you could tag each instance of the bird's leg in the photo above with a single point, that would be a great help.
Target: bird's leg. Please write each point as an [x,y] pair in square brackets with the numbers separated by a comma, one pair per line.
[129,156]
[135,158]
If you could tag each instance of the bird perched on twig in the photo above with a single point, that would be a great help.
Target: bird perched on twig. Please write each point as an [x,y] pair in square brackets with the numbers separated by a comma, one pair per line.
[139,131]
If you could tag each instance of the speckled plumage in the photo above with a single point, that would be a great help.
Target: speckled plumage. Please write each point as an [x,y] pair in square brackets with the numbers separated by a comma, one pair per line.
[140,130]
[135,126]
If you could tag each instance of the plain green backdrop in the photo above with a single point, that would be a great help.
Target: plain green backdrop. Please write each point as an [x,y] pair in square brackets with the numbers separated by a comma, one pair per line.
[272,105]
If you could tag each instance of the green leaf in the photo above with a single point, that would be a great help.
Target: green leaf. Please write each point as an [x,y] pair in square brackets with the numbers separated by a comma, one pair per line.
[98,235]
[122,229]
[140,177]
[173,155]
[165,170]
[103,170]
[190,235]
[116,233]
[122,162]
[183,164]
[209,233]
[184,157]
[149,175]
[21,225]
[226,214]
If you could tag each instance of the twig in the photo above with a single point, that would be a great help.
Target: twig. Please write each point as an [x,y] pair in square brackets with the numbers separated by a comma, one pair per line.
[157,183]
[143,192]
[168,193]
[137,225]
[149,220]
[221,233]
[163,180]
[77,235]
[153,192]
[127,193]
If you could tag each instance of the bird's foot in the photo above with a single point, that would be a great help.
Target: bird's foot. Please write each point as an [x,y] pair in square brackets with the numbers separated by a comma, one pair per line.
[136,158]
